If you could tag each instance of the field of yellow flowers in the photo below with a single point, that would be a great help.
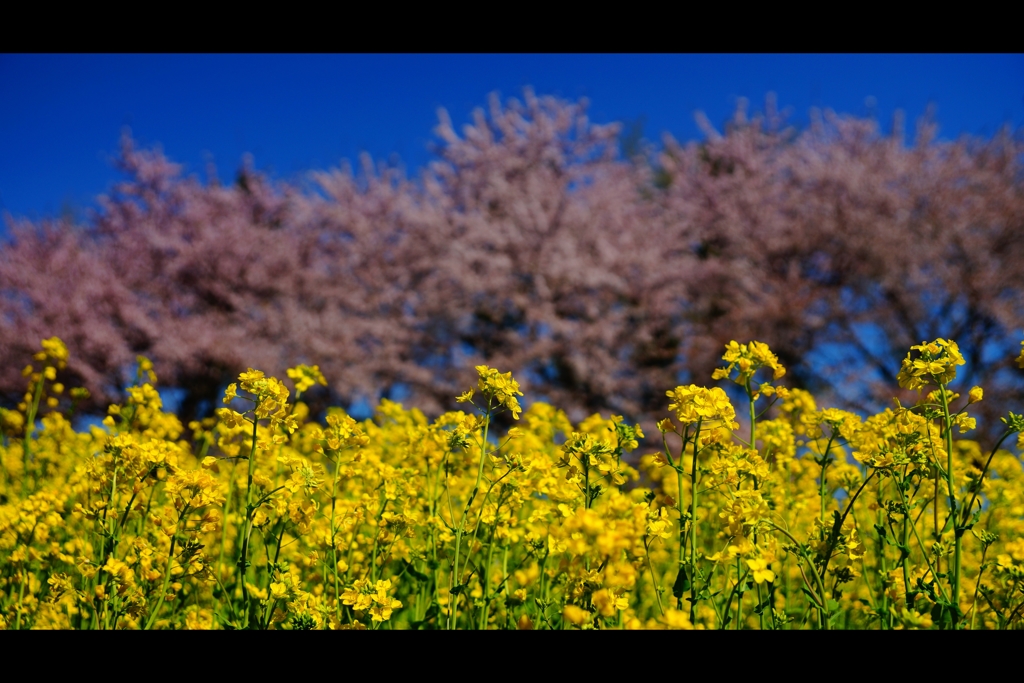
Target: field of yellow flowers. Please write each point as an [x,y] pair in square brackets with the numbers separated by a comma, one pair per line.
[803,519]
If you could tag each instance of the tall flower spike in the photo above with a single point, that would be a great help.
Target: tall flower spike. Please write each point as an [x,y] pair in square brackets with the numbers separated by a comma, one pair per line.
[934,363]
[305,376]
[502,387]
[694,403]
[748,359]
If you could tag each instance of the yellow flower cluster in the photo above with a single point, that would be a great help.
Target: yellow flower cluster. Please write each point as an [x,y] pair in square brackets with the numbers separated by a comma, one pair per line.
[746,360]
[269,397]
[934,363]
[501,388]
[692,404]
[261,517]
[363,597]
[305,376]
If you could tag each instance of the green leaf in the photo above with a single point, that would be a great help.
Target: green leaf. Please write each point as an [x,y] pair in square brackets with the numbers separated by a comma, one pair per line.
[974,520]
[415,573]
[705,594]
[763,605]
[682,583]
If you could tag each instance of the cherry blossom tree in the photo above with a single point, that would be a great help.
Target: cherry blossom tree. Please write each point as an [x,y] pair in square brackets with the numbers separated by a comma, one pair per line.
[531,246]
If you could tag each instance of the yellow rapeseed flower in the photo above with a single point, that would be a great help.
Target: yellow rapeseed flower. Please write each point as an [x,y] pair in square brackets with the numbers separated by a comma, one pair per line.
[305,376]
[935,363]
[54,349]
[760,571]
[501,387]
[748,359]
[693,403]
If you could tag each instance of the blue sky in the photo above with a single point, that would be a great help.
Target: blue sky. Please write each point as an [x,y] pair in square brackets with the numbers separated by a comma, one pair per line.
[62,115]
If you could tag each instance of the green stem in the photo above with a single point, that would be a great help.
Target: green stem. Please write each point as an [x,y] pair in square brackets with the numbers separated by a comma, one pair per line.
[243,555]
[456,578]
[957,531]
[753,445]
[977,586]
[819,602]
[486,577]
[679,496]
[753,417]
[920,543]
[167,572]
[833,542]
[654,579]
[822,492]
[224,520]
[882,564]
[905,552]
[693,526]
[739,598]
[334,544]
[974,497]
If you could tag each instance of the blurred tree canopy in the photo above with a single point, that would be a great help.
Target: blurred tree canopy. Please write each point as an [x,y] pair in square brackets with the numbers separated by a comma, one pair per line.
[543,244]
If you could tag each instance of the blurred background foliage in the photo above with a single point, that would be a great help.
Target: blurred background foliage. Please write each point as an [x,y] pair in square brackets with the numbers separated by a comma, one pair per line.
[600,269]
